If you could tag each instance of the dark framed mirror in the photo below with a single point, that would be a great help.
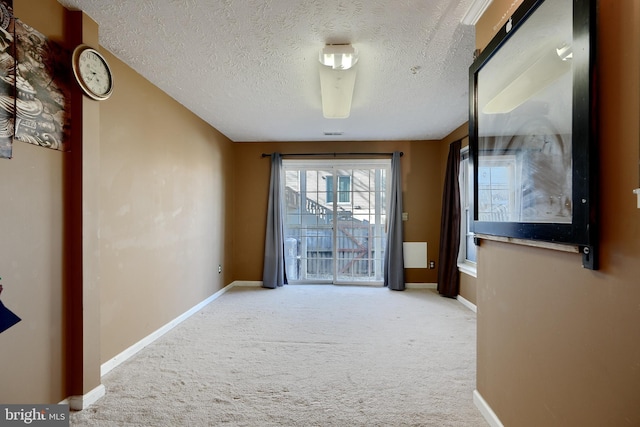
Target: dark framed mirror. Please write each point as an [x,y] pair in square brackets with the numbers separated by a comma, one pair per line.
[532,128]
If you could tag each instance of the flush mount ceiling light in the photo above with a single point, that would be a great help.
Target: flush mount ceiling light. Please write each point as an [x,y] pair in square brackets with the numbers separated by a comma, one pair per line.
[339,56]
[337,79]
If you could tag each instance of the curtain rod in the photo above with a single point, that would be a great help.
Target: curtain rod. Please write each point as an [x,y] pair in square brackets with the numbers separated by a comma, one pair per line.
[332,154]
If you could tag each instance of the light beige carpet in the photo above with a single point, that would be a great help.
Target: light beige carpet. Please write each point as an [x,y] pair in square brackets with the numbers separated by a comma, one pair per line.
[305,355]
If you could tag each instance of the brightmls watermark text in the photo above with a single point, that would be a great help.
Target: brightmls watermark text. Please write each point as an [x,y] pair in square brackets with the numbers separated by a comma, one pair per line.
[34,415]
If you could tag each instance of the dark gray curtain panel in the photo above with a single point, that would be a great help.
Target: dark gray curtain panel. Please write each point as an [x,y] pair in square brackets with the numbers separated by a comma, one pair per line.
[448,275]
[393,255]
[273,272]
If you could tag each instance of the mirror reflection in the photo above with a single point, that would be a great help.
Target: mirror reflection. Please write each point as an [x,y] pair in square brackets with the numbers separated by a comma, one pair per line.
[524,96]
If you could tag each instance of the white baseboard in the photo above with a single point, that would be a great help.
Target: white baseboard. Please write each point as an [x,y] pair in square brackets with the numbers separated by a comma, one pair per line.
[421,285]
[78,403]
[258,283]
[135,348]
[471,306]
[486,410]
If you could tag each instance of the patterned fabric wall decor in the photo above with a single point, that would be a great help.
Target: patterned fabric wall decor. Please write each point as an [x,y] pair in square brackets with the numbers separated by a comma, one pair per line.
[35,79]
[43,89]
[7,78]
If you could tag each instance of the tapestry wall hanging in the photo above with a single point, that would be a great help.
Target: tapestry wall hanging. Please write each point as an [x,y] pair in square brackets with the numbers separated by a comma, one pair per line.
[42,90]
[7,78]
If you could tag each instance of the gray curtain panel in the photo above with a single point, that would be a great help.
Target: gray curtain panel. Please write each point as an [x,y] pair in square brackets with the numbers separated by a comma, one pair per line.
[393,255]
[273,272]
[448,276]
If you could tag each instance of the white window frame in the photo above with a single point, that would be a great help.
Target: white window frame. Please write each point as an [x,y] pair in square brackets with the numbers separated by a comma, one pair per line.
[333,165]
[466,195]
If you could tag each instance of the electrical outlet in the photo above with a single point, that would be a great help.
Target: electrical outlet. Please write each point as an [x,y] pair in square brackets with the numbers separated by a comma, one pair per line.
[432,264]
[219,269]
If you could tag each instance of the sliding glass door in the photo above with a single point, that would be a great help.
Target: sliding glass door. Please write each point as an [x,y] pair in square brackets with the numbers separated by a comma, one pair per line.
[335,220]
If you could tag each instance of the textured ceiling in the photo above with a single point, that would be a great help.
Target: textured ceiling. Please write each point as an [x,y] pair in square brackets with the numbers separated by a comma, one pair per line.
[250,67]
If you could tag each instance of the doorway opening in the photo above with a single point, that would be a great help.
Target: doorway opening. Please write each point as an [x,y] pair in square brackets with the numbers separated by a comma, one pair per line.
[335,220]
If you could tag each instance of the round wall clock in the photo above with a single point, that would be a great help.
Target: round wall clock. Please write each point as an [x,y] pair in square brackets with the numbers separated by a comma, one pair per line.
[92,72]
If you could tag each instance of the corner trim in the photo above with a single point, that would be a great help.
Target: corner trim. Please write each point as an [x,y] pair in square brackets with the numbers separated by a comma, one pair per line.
[107,366]
[78,403]
[486,410]
[475,11]
[471,306]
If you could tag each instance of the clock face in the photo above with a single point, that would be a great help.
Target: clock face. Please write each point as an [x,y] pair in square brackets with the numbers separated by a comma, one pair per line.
[93,73]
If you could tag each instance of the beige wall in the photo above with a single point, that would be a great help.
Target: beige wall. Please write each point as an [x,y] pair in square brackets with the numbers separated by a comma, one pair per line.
[165,218]
[131,225]
[496,15]
[422,197]
[31,269]
[31,256]
[559,345]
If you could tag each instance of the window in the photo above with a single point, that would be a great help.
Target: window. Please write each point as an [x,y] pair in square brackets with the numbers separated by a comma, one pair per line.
[334,223]
[498,197]
[344,189]
[467,252]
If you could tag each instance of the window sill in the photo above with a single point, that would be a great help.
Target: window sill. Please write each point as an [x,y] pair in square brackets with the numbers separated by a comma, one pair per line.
[468,268]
